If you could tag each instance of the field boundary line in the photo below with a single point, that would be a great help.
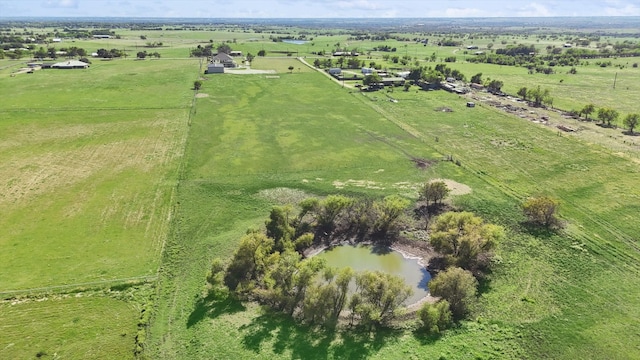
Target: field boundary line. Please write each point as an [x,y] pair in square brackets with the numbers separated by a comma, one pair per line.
[44,289]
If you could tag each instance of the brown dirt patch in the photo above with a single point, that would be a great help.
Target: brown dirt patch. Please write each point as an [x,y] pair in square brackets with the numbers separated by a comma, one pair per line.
[201,95]
[422,163]
[455,187]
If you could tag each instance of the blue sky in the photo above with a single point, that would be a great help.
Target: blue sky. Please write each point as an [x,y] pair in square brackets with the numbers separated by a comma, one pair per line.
[317,8]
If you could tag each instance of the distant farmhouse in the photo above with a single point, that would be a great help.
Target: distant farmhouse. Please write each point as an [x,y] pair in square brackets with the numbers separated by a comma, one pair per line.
[102,36]
[224,59]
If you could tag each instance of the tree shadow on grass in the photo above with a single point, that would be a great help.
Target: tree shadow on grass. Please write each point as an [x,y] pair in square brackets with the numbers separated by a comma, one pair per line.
[539,231]
[212,306]
[313,343]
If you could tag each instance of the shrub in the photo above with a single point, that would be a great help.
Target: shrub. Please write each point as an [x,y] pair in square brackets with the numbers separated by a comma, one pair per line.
[435,318]
[541,211]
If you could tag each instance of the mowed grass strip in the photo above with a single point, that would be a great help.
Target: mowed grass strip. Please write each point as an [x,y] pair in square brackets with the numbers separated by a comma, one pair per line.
[69,328]
[85,191]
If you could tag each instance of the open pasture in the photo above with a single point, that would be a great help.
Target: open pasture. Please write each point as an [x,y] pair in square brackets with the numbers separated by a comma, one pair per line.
[546,300]
[68,328]
[89,161]
[94,151]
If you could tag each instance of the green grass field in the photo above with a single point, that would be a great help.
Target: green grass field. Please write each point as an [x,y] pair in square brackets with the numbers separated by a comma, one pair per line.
[99,167]
[554,296]
[88,169]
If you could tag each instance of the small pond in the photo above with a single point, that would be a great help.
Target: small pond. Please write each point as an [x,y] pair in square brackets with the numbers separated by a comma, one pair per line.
[365,257]
[295,42]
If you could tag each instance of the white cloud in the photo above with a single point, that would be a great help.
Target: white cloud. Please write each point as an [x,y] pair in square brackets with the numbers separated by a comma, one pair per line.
[463,12]
[534,10]
[619,8]
[66,4]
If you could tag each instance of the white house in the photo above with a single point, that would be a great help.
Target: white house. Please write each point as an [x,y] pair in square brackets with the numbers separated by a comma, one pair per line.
[367,71]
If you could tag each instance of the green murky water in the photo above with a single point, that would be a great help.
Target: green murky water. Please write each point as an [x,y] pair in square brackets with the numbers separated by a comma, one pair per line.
[365,257]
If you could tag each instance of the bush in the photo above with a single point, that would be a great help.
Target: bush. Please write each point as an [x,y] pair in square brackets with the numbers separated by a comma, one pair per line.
[435,318]
[541,211]
[458,287]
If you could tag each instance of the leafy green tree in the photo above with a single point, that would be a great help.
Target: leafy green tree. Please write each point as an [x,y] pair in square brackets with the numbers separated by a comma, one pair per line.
[458,287]
[607,115]
[477,78]
[291,68]
[381,295]
[279,279]
[523,92]
[388,212]
[371,79]
[215,278]
[262,53]
[303,242]
[631,121]
[305,276]
[250,57]
[464,238]
[248,262]
[224,48]
[538,95]
[330,208]
[587,110]
[40,53]
[435,318]
[434,192]
[541,210]
[197,85]
[495,86]
[279,227]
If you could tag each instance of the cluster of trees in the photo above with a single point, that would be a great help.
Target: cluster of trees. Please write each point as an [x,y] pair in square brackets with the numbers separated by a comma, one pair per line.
[270,267]
[341,62]
[537,96]
[385,48]
[435,75]
[609,116]
[465,242]
[493,86]
[144,54]
[108,54]
[207,50]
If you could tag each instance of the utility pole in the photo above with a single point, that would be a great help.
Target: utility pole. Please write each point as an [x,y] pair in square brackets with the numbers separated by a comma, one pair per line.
[614,80]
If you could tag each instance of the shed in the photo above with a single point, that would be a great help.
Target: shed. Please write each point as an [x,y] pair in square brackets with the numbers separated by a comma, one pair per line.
[215,68]
[367,71]
[471,104]
[335,71]
[235,53]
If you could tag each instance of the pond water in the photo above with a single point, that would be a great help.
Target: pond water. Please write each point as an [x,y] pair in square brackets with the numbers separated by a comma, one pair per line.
[364,257]
[295,42]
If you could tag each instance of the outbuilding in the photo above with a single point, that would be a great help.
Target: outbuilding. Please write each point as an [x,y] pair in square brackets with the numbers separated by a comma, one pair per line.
[71,64]
[215,68]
